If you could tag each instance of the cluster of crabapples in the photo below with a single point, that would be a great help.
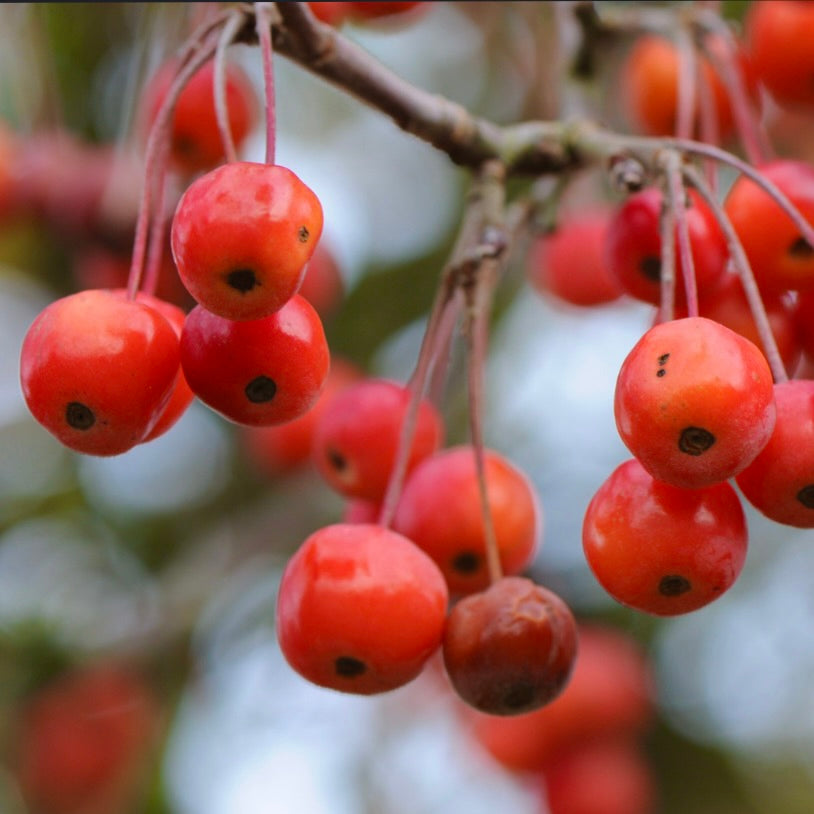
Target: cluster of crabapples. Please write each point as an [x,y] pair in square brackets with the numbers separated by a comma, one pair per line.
[362,605]
[696,401]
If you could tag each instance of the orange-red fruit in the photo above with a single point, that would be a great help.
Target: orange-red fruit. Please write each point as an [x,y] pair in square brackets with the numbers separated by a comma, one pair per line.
[650,82]
[510,649]
[241,237]
[728,304]
[610,693]
[633,247]
[182,395]
[661,549]
[779,256]
[81,741]
[357,437]
[779,35]
[97,370]
[694,402]
[322,284]
[440,511]
[281,448]
[258,371]
[780,481]
[570,263]
[195,140]
[609,776]
[360,609]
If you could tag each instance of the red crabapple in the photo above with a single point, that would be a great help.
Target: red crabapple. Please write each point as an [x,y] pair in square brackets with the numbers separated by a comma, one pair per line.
[510,649]
[81,740]
[610,694]
[279,448]
[661,549]
[98,369]
[360,609]
[569,262]
[780,481]
[728,305]
[778,35]
[440,511]
[608,776]
[195,140]
[694,402]
[182,395]
[241,237]
[633,246]
[781,259]
[650,88]
[259,371]
[357,437]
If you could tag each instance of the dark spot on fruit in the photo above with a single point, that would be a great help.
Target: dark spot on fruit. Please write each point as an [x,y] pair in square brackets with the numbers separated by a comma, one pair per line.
[695,440]
[79,416]
[801,248]
[242,280]
[806,496]
[651,268]
[337,460]
[185,146]
[303,234]
[519,696]
[663,358]
[466,563]
[674,585]
[661,372]
[349,667]
[260,389]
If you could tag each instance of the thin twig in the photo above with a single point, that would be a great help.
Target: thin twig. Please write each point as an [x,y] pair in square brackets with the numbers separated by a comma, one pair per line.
[675,198]
[219,81]
[741,264]
[263,19]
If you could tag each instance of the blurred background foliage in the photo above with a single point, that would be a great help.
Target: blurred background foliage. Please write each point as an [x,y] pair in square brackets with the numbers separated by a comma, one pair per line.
[167,558]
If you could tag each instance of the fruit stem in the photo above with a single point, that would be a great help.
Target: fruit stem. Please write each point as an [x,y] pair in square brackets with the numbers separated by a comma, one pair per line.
[753,137]
[687,84]
[744,270]
[675,197]
[668,262]
[155,250]
[263,25]
[158,139]
[227,34]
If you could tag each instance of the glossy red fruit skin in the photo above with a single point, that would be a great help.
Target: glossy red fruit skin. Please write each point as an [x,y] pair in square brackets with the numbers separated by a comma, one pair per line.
[633,247]
[440,511]
[195,140]
[780,258]
[778,36]
[182,395]
[360,609]
[661,549]
[510,649]
[780,481]
[728,305]
[256,372]
[650,81]
[81,739]
[570,263]
[609,776]
[283,448]
[357,437]
[322,284]
[804,320]
[97,370]
[694,402]
[610,694]
[241,237]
